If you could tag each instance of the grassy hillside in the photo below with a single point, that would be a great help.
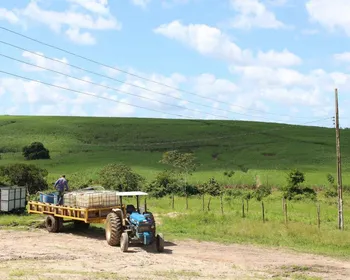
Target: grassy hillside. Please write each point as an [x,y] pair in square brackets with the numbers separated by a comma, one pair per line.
[81,146]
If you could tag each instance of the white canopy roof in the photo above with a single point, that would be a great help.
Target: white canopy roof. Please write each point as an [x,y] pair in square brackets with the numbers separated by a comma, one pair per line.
[131,193]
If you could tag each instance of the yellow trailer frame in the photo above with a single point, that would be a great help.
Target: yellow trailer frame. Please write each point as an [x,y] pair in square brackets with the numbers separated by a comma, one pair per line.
[87,215]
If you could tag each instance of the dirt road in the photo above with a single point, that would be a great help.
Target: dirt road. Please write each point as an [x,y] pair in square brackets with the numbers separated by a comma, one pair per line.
[37,254]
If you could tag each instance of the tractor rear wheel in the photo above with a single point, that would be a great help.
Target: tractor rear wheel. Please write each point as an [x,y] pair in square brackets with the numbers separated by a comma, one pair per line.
[124,242]
[113,229]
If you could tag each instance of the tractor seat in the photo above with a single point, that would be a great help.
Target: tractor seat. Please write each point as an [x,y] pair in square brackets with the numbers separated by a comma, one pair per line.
[130,209]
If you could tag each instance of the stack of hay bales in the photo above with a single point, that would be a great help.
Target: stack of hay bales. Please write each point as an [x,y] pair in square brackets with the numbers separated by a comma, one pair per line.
[91,199]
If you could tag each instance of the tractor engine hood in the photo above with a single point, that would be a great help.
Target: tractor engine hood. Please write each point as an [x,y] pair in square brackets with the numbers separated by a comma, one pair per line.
[137,218]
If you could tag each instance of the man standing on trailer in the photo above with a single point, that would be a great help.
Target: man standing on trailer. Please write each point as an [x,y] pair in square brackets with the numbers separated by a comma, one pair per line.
[61,185]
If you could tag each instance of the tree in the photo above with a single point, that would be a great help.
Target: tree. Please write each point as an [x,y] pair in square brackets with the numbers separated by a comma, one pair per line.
[294,190]
[34,151]
[120,177]
[31,176]
[261,192]
[182,163]
[164,184]
[213,188]
[332,190]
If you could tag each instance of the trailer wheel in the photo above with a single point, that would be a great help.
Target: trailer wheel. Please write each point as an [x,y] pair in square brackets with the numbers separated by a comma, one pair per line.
[113,229]
[124,242]
[160,242]
[52,223]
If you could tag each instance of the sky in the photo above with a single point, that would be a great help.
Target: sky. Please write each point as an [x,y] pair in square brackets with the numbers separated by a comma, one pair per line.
[260,60]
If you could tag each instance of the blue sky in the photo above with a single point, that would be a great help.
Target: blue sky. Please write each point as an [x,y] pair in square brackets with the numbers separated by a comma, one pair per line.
[266,60]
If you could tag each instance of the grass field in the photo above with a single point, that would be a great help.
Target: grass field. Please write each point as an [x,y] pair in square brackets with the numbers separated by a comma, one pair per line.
[80,147]
[301,232]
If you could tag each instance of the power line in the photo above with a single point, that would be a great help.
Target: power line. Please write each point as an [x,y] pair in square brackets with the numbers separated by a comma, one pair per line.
[137,86]
[132,74]
[86,93]
[120,81]
[142,107]
[108,87]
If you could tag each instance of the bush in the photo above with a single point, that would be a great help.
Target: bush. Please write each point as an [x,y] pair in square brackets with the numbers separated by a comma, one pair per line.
[294,191]
[332,191]
[261,192]
[35,151]
[120,177]
[164,184]
[25,175]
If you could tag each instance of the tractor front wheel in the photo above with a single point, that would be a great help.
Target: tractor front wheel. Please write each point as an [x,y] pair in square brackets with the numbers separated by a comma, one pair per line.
[124,242]
[160,242]
[113,229]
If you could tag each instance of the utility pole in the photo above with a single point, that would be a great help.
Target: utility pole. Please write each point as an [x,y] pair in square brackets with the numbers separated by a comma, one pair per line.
[339,173]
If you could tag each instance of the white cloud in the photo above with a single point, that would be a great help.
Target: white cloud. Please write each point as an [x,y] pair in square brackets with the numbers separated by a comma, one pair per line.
[81,14]
[165,3]
[208,85]
[212,42]
[332,15]
[253,13]
[141,3]
[84,38]
[95,6]
[9,16]
[55,20]
[277,2]
[43,62]
[343,57]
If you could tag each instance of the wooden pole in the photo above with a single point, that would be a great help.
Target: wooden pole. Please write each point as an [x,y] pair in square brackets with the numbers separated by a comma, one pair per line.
[318,216]
[222,205]
[339,172]
[263,211]
[243,215]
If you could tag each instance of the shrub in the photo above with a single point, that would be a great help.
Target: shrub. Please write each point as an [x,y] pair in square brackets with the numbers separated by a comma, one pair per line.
[34,151]
[121,178]
[332,190]
[25,175]
[164,184]
[261,192]
[294,191]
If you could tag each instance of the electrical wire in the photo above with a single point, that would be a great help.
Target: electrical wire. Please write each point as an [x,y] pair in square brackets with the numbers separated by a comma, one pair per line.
[120,81]
[89,94]
[111,88]
[132,74]
[142,107]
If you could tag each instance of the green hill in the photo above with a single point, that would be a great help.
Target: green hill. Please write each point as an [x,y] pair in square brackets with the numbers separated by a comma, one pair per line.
[80,146]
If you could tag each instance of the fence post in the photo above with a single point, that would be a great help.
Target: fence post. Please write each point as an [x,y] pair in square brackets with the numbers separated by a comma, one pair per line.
[285,211]
[222,205]
[243,215]
[263,211]
[319,216]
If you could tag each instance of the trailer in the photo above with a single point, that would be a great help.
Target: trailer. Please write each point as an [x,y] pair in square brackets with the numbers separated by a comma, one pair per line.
[123,223]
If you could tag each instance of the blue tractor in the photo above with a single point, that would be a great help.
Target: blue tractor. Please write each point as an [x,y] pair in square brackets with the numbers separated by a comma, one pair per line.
[129,223]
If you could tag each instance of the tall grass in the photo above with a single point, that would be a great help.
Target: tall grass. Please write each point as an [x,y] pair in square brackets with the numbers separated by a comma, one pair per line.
[300,233]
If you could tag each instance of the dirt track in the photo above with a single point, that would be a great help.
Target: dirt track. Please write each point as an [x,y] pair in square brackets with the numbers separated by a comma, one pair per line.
[74,255]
